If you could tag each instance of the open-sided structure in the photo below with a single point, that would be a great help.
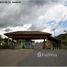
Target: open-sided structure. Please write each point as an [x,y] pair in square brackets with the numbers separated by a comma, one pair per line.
[27,36]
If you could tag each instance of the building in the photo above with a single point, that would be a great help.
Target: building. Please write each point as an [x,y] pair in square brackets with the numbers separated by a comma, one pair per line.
[24,38]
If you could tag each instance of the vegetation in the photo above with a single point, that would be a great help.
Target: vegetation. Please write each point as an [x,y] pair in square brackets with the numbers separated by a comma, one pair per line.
[63,38]
[3,42]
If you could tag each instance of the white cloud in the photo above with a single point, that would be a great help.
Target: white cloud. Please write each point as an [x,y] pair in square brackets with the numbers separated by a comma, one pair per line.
[19,28]
[32,14]
[47,30]
[40,17]
[56,12]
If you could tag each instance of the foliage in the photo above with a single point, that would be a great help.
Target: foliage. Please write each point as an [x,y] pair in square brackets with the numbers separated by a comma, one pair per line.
[63,38]
[3,43]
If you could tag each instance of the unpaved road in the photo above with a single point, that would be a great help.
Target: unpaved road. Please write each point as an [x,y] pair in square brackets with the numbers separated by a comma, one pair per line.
[32,57]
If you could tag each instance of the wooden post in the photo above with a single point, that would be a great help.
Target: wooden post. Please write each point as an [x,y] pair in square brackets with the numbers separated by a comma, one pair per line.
[44,44]
[8,40]
[16,46]
[8,43]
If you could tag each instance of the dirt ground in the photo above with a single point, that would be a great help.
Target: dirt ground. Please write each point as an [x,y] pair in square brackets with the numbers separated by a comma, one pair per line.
[31,57]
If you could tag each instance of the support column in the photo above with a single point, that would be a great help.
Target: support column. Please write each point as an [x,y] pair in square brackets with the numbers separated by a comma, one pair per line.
[8,43]
[16,43]
[8,40]
[22,43]
[13,44]
[44,44]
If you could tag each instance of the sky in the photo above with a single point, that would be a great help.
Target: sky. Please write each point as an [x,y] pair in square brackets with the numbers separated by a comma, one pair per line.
[33,15]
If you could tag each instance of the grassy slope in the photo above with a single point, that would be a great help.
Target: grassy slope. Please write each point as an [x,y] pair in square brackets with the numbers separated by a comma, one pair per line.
[63,37]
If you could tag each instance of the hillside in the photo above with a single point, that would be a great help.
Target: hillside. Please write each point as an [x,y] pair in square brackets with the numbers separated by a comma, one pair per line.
[63,38]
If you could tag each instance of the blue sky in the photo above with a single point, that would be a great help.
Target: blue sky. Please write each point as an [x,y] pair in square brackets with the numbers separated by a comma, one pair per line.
[64,24]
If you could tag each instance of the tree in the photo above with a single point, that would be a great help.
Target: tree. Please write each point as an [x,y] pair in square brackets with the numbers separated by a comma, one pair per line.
[0,39]
[63,38]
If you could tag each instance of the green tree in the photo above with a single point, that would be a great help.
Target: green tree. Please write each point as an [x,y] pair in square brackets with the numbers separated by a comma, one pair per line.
[63,38]
[0,39]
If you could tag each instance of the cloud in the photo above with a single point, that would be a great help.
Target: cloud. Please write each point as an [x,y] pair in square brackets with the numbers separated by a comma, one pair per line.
[54,15]
[17,28]
[37,13]
[25,12]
